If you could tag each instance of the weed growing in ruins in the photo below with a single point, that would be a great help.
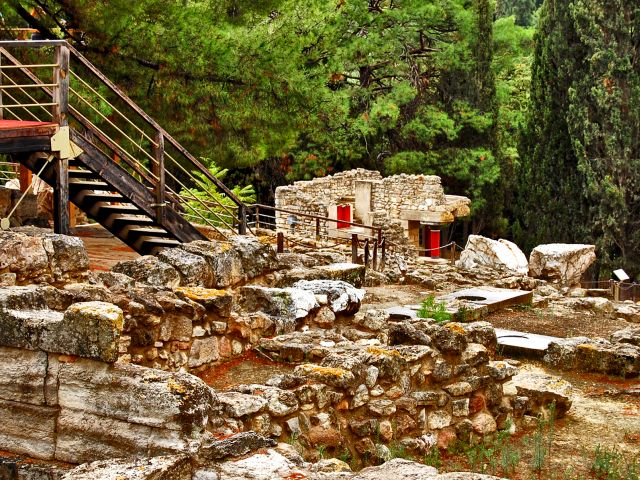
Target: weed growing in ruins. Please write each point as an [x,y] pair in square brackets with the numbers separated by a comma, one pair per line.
[432,458]
[610,464]
[321,451]
[430,308]
[397,450]
[464,314]
[542,440]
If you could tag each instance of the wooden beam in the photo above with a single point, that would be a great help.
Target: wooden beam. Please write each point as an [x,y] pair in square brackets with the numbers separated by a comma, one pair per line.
[60,93]
[25,176]
[61,223]
[25,144]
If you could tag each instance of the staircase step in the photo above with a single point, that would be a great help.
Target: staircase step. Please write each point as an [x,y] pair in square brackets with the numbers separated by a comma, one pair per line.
[132,232]
[127,209]
[105,197]
[151,245]
[77,184]
[86,174]
[121,222]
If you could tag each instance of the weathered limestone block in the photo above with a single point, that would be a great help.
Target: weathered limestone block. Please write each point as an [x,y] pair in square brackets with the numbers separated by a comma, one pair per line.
[235,261]
[335,377]
[203,351]
[168,467]
[497,254]
[28,429]
[342,296]
[594,355]
[25,256]
[235,446]
[630,335]
[136,395]
[561,262]
[84,437]
[397,469]
[542,390]
[194,269]
[22,375]
[67,255]
[150,270]
[285,305]
[347,272]
[23,328]
[216,302]
[88,329]
[238,405]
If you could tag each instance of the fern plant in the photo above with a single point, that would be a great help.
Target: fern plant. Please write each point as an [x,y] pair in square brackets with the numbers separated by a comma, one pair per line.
[207,202]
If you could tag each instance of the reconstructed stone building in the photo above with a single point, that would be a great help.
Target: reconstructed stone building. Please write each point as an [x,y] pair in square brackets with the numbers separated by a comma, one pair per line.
[417,202]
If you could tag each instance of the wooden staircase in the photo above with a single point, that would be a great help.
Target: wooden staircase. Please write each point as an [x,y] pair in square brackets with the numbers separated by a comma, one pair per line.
[124,170]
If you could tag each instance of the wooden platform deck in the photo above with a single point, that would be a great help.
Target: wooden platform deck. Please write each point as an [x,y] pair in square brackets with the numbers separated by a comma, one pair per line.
[24,136]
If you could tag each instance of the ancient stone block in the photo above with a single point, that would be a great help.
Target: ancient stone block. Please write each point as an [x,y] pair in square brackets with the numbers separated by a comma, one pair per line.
[88,329]
[28,429]
[561,262]
[137,395]
[203,351]
[169,467]
[22,375]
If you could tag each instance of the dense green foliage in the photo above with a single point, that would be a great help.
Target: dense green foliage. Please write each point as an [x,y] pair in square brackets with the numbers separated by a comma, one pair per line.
[541,132]
[581,180]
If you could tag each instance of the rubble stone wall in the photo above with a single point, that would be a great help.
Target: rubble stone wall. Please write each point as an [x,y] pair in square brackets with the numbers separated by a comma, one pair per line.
[407,192]
[347,396]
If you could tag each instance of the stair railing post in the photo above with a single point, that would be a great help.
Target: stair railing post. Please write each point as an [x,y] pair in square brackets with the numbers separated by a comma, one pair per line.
[242,220]
[60,111]
[159,172]
[354,248]
[383,253]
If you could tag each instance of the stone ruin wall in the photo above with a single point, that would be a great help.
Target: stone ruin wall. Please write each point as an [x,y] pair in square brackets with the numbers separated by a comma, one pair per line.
[80,388]
[407,192]
[314,196]
[389,197]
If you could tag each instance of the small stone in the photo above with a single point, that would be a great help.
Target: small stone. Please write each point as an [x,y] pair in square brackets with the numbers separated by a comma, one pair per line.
[361,397]
[483,423]
[199,331]
[460,407]
[458,389]
[371,376]
[386,431]
[438,419]
[382,408]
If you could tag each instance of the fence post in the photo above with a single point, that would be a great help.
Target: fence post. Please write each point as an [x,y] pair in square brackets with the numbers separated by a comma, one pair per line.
[453,253]
[383,253]
[158,171]
[317,228]
[280,242]
[616,291]
[366,253]
[354,248]
[257,214]
[374,264]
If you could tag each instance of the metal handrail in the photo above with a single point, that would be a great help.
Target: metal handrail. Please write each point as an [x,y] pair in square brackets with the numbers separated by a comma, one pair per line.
[210,205]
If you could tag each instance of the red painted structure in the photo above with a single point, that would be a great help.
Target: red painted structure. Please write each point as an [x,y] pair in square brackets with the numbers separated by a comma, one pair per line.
[344,215]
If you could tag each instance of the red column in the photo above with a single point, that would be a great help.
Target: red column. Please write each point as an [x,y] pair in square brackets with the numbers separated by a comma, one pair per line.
[434,242]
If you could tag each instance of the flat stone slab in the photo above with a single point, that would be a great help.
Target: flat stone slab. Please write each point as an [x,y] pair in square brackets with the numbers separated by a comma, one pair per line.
[491,297]
[402,313]
[524,342]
